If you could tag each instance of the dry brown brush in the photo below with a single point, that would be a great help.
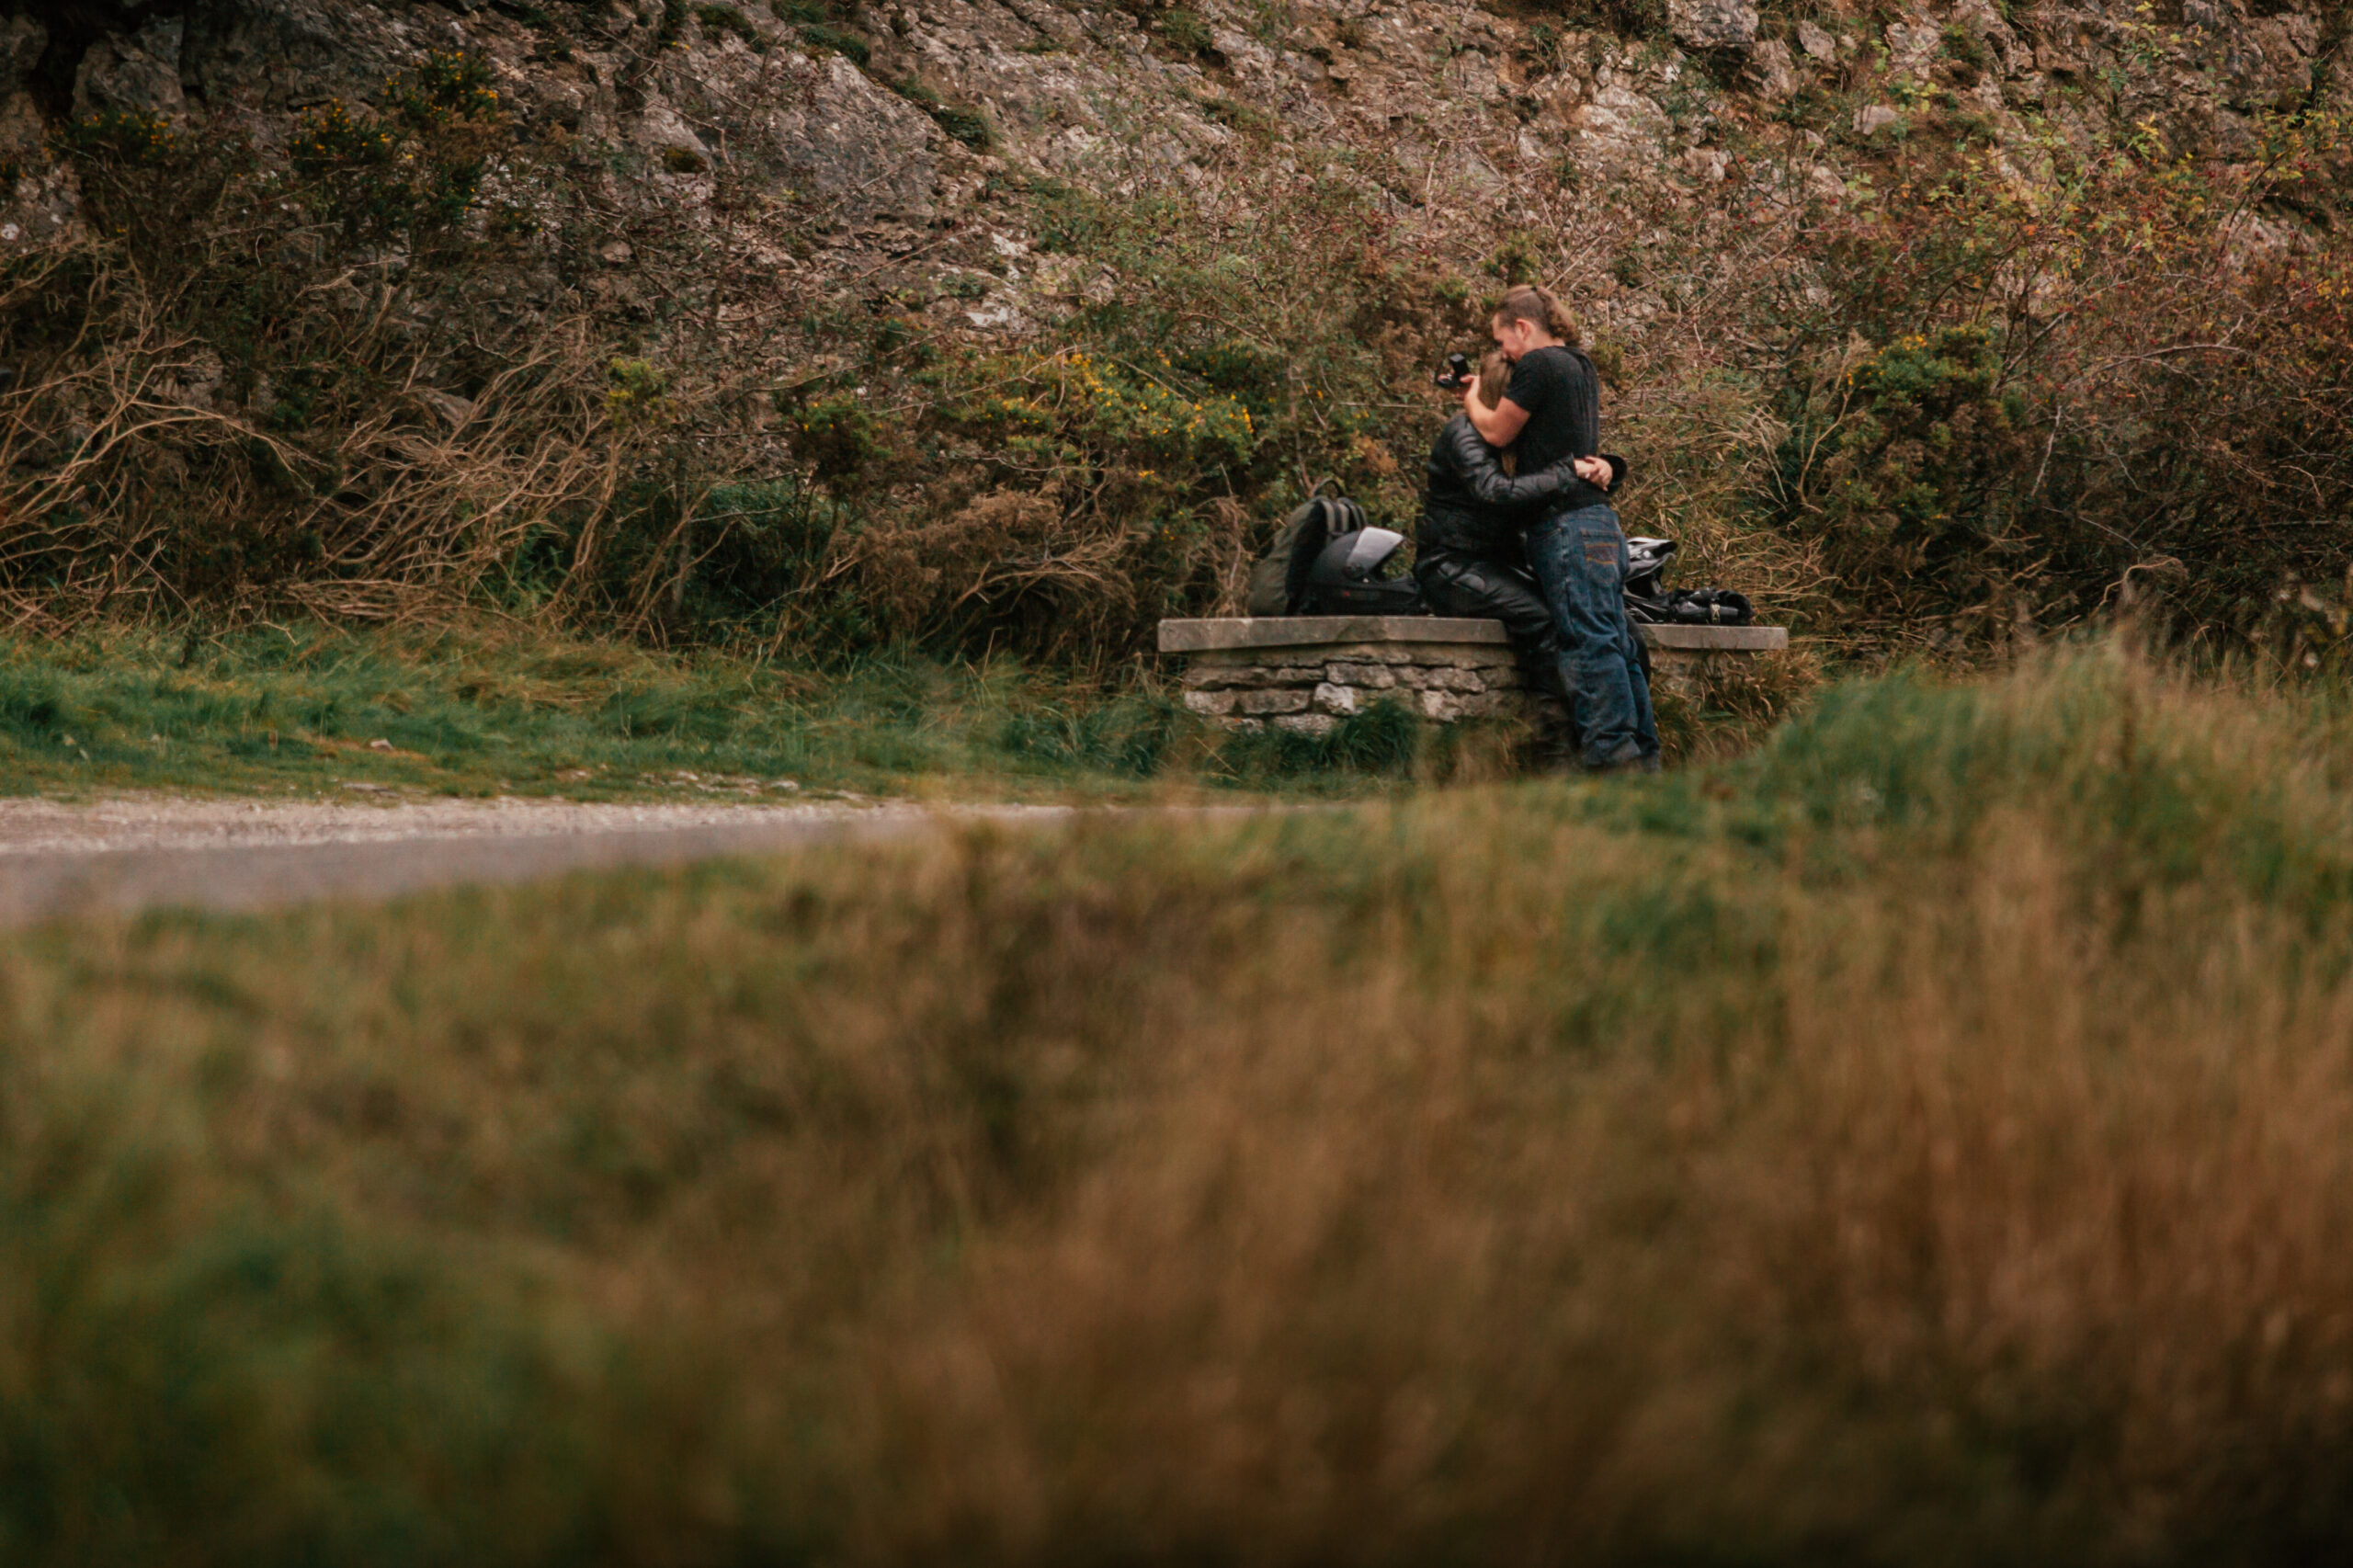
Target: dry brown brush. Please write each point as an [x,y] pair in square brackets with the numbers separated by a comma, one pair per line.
[1942,389]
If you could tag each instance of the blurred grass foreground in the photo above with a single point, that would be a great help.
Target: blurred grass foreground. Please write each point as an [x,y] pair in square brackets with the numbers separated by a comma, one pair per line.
[1924,1141]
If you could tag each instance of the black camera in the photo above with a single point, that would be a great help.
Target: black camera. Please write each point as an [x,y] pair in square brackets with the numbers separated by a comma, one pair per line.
[1456,374]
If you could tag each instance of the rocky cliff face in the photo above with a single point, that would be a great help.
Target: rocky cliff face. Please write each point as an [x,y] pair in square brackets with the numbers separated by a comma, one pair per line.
[1452,91]
[1670,167]
[1463,101]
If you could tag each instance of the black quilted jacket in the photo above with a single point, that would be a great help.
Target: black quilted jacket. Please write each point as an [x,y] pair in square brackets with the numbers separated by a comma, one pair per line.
[1472,507]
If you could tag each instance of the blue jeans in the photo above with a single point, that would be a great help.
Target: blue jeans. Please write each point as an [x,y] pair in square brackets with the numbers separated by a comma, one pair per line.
[1579,559]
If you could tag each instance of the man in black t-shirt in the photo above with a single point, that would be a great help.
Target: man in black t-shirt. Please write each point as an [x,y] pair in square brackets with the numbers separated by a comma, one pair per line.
[1553,410]
[1556,385]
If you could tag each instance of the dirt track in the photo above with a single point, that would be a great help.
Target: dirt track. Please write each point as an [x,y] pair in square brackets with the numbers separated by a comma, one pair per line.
[148,852]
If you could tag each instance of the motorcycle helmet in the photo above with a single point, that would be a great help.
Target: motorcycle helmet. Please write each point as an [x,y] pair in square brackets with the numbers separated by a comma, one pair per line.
[1646,558]
[1361,572]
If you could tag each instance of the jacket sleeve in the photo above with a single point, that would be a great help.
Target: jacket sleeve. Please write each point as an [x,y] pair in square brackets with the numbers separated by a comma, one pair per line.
[1474,462]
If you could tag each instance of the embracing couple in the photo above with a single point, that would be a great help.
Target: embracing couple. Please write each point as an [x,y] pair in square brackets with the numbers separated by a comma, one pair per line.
[1539,548]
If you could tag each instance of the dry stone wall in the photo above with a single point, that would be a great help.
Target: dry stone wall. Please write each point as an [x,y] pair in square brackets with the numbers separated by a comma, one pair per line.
[1306,674]
[1312,689]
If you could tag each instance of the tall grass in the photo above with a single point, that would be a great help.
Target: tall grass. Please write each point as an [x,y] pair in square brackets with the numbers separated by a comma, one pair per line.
[1927,1140]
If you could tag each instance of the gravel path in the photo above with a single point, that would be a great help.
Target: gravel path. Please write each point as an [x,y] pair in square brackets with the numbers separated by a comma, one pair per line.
[146,852]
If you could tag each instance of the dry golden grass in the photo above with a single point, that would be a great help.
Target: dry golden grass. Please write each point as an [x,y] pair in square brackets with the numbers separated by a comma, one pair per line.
[1925,1142]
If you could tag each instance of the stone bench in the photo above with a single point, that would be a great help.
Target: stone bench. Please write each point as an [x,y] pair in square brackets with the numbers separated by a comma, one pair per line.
[1307,672]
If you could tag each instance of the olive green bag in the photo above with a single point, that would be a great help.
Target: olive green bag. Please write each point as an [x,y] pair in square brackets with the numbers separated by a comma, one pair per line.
[1278,582]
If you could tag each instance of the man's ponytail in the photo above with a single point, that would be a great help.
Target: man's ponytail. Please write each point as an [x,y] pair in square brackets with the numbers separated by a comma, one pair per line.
[1534,303]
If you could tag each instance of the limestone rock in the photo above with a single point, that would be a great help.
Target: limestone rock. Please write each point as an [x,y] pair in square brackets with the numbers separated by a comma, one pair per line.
[1713,24]
[859,150]
[2339,92]
[1984,20]
[2269,63]
[138,75]
[278,55]
[1455,680]
[666,134]
[22,130]
[1817,44]
[1623,121]
[1707,165]
[1772,72]
[1330,698]
[1913,47]
[21,42]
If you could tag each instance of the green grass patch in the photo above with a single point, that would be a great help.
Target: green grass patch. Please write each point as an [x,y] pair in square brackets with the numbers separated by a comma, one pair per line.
[312,710]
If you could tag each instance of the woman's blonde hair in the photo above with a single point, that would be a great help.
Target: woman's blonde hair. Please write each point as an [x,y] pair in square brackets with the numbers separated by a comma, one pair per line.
[1532,302]
[1495,375]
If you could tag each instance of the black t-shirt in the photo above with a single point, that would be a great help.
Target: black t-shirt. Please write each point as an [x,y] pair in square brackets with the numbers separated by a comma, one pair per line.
[1563,402]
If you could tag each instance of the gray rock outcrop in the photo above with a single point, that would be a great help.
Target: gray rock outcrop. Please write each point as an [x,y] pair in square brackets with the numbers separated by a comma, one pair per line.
[1713,24]
[139,73]
[856,151]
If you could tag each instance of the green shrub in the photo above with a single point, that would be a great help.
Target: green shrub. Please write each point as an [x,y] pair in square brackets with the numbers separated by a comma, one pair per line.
[968,126]
[728,19]
[1907,468]
[1184,31]
[2071,388]
[446,85]
[120,136]
[268,1376]
[329,141]
[756,545]
[417,166]
[837,435]
[840,40]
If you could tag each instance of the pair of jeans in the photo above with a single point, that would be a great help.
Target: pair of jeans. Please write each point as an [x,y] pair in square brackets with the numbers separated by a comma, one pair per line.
[1478,589]
[1580,561]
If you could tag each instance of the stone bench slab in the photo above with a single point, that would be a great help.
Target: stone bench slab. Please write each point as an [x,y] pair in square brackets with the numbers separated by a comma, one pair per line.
[1238,633]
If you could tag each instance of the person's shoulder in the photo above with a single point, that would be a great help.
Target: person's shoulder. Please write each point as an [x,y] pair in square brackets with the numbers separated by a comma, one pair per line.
[1548,363]
[1567,364]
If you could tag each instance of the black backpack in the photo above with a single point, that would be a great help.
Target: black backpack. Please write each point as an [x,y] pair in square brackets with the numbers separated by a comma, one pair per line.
[1279,583]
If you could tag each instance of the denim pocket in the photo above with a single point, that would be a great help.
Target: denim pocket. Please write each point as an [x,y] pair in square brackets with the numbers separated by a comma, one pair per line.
[1601,550]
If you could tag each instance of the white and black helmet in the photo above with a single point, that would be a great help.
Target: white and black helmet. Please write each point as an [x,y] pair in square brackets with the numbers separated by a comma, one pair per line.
[1362,572]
